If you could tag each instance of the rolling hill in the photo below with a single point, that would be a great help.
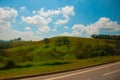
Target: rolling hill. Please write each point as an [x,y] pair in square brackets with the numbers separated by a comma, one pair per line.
[57,49]
[55,54]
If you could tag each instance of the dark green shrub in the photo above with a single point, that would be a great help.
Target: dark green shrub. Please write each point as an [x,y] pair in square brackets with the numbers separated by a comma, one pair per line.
[46,41]
[102,53]
[10,64]
[62,41]
[81,55]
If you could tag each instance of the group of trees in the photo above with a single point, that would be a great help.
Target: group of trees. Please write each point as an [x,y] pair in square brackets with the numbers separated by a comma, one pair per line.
[46,41]
[17,39]
[115,37]
[59,41]
[7,44]
[62,41]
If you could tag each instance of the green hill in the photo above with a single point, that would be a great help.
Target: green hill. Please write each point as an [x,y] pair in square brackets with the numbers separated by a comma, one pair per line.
[77,47]
[55,54]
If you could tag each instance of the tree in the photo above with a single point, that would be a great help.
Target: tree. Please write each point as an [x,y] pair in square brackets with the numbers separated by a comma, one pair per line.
[46,41]
[9,64]
[65,41]
[114,37]
[58,41]
[62,41]
[19,39]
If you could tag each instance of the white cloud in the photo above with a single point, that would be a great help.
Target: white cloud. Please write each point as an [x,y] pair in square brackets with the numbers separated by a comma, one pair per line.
[7,16]
[66,27]
[12,34]
[36,20]
[66,34]
[68,10]
[39,21]
[44,17]
[103,24]
[48,13]
[27,28]
[23,8]
[65,11]
[60,22]
[78,29]
[106,25]
[44,29]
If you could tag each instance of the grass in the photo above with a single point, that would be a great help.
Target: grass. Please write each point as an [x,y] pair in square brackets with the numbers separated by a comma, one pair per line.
[53,66]
[35,57]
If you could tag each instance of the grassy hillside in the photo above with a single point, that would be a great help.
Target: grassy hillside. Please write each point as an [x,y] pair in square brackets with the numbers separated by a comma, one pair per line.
[78,48]
[56,51]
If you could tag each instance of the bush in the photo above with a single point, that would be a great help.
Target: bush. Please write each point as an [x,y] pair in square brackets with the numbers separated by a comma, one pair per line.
[103,53]
[10,64]
[81,55]
[99,53]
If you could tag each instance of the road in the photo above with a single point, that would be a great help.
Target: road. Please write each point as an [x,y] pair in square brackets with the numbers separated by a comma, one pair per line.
[109,71]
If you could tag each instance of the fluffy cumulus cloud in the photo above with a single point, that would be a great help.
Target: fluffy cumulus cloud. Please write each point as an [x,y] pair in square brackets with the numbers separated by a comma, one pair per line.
[68,10]
[59,22]
[12,34]
[66,34]
[44,29]
[78,29]
[36,20]
[65,11]
[103,24]
[39,21]
[7,16]
[106,25]
[43,18]
[48,13]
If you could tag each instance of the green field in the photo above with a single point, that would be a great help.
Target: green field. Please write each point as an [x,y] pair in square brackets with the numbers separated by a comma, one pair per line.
[55,54]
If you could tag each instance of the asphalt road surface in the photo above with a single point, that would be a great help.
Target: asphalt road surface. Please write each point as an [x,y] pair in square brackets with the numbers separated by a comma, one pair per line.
[109,71]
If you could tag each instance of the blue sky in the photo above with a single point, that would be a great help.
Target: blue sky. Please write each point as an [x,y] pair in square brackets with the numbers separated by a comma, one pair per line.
[37,19]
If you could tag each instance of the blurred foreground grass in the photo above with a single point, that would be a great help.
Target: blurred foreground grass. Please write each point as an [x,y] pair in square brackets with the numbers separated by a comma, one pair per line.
[53,66]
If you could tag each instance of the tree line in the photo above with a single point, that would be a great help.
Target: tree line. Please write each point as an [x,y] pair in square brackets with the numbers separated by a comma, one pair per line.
[58,42]
[8,44]
[113,37]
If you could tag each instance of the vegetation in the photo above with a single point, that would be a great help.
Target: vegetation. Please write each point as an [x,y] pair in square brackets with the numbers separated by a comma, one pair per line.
[114,37]
[46,40]
[53,66]
[58,51]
